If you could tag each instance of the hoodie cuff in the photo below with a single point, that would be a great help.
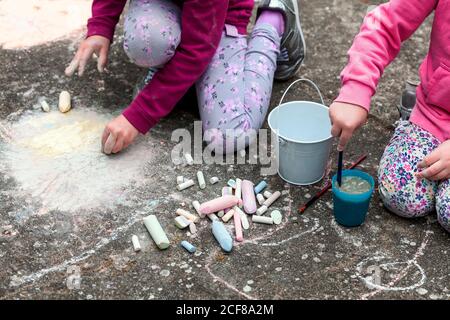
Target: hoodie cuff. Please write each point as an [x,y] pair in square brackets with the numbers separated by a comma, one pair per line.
[356,93]
[139,118]
[96,28]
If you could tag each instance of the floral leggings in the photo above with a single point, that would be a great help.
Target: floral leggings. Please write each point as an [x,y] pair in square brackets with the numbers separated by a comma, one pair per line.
[400,190]
[234,92]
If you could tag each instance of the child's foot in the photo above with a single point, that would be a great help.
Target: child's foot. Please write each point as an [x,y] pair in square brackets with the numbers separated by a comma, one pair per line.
[293,46]
[143,81]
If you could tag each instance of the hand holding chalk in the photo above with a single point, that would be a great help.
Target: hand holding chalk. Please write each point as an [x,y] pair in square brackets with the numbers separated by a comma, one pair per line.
[122,132]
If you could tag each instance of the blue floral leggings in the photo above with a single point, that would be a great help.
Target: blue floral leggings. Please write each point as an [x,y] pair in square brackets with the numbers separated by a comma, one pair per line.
[400,190]
[234,92]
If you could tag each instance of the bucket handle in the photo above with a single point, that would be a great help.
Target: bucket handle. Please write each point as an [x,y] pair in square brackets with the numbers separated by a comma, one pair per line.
[303,80]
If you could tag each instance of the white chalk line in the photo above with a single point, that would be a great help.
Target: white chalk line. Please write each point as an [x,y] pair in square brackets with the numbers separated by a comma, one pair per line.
[409,263]
[19,281]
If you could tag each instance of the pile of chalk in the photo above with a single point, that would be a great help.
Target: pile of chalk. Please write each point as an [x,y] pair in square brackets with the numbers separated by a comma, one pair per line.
[239,199]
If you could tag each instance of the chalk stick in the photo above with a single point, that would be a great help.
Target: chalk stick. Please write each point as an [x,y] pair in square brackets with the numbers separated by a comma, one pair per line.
[262,219]
[260,198]
[238,226]
[261,210]
[238,190]
[272,199]
[196,206]
[248,197]
[186,184]
[180,179]
[156,232]
[244,219]
[267,194]
[136,243]
[222,236]
[212,217]
[64,102]
[231,183]
[181,222]
[276,216]
[188,246]
[187,215]
[260,186]
[44,105]
[192,228]
[213,180]
[218,204]
[227,216]
[201,180]
[189,159]
[109,144]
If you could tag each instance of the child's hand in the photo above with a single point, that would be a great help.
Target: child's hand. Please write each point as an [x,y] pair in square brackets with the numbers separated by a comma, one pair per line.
[346,118]
[437,164]
[118,134]
[94,44]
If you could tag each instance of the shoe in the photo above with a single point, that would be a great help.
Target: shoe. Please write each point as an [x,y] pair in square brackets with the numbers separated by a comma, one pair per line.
[143,81]
[408,99]
[292,47]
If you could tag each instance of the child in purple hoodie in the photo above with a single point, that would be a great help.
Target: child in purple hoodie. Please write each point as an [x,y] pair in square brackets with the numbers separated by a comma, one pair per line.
[201,42]
[414,173]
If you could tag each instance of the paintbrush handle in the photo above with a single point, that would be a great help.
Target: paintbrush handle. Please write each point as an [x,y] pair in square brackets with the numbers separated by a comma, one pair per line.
[328,186]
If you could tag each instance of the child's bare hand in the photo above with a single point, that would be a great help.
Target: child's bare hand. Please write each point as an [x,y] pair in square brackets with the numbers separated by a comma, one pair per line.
[118,134]
[346,118]
[94,44]
[437,164]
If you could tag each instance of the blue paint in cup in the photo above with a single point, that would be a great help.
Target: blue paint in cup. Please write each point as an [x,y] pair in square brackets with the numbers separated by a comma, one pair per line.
[350,210]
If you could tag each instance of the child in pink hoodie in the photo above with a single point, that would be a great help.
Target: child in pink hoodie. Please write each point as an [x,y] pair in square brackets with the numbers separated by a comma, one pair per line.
[414,173]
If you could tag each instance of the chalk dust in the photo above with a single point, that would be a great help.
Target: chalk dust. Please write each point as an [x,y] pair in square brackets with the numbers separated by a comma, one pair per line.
[56,159]
[26,23]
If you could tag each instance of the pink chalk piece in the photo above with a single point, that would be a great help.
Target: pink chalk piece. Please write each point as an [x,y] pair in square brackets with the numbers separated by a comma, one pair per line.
[238,227]
[218,204]
[248,197]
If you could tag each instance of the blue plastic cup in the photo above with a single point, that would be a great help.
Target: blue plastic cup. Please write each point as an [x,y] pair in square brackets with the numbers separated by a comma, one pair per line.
[350,210]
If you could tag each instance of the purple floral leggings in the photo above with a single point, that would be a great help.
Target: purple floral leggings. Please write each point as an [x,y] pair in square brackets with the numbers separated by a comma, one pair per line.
[234,92]
[400,190]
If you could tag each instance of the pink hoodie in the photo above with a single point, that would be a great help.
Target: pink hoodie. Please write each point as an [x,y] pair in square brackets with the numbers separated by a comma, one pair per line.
[378,43]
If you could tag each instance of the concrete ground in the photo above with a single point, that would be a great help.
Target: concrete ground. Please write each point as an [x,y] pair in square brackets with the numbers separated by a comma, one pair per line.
[72,239]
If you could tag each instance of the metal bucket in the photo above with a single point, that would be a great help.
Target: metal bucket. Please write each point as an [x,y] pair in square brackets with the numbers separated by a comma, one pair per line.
[304,138]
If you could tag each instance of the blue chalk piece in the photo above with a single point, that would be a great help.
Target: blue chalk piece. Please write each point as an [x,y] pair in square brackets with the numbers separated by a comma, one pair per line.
[260,187]
[232,183]
[222,236]
[189,247]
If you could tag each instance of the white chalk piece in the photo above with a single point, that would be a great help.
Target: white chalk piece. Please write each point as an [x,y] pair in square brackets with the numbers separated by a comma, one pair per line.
[188,246]
[220,213]
[187,215]
[260,198]
[213,180]
[109,144]
[156,232]
[267,194]
[260,219]
[272,199]
[136,243]
[238,190]
[222,236]
[261,210]
[212,217]
[228,215]
[64,104]
[180,179]
[201,180]
[44,105]
[192,228]
[231,183]
[276,216]
[196,206]
[188,158]
[187,184]
[181,222]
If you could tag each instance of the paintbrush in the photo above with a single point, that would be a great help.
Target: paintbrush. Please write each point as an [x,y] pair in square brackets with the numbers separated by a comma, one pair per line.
[339,172]
[327,187]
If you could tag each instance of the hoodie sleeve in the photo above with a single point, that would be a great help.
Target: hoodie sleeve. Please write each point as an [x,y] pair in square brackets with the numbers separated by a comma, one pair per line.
[105,16]
[377,44]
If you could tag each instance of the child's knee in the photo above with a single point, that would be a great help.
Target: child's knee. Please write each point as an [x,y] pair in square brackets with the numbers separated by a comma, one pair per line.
[149,48]
[443,212]
[401,201]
